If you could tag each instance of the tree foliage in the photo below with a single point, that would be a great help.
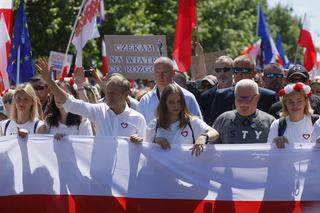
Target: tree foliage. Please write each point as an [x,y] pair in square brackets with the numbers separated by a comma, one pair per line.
[223,25]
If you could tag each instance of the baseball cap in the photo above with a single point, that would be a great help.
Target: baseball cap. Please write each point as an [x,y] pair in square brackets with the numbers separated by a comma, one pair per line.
[211,79]
[298,70]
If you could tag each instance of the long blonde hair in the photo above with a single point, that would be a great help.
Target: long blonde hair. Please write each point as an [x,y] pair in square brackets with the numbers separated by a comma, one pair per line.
[35,111]
[307,109]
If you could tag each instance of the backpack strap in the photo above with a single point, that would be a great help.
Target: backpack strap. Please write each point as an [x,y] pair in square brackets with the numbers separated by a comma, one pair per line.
[35,126]
[282,126]
[314,118]
[193,139]
[6,127]
[156,130]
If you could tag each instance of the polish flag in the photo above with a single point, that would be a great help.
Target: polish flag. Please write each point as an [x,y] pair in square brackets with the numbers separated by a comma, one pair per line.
[305,40]
[4,41]
[6,9]
[186,21]
[108,174]
[104,59]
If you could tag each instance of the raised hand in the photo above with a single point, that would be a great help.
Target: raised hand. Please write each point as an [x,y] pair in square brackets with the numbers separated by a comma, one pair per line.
[43,66]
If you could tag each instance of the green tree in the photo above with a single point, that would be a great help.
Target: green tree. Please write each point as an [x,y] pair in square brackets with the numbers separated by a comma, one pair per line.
[223,25]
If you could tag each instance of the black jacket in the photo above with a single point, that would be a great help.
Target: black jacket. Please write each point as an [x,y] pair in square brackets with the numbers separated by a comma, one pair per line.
[224,101]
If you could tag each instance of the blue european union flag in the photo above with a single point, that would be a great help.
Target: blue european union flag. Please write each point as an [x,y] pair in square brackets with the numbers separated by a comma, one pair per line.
[20,38]
[263,33]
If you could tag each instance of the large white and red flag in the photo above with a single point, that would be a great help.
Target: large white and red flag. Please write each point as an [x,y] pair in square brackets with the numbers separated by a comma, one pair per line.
[186,21]
[305,40]
[6,9]
[86,28]
[103,174]
[4,41]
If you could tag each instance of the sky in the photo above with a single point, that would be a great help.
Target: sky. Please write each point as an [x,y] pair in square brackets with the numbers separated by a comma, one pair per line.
[300,7]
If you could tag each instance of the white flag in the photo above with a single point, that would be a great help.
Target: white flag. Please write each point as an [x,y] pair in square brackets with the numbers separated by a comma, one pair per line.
[86,28]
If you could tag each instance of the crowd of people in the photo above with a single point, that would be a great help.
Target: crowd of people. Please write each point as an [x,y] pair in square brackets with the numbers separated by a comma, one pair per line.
[237,104]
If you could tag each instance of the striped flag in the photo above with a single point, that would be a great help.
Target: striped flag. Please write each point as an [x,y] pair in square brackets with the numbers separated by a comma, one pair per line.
[104,58]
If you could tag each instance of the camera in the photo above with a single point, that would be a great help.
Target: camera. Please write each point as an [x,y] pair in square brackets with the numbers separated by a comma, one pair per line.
[88,73]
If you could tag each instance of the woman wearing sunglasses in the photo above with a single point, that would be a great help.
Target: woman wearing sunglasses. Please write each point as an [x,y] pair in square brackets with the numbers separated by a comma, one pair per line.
[296,122]
[26,113]
[174,124]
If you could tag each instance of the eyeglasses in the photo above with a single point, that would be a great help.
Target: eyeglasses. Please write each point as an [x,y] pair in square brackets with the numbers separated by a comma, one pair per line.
[39,87]
[225,69]
[245,98]
[273,75]
[296,80]
[242,70]
[9,101]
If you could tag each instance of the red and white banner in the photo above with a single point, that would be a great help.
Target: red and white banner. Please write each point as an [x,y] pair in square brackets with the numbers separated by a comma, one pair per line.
[98,174]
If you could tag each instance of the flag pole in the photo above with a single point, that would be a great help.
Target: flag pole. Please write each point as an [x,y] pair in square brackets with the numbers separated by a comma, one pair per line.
[72,33]
[18,66]
[296,55]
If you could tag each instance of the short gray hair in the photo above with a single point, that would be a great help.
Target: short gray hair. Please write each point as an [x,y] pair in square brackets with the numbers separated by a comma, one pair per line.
[246,83]
[164,60]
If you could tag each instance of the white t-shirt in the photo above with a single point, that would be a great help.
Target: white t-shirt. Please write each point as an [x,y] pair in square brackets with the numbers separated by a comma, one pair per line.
[108,123]
[176,135]
[296,132]
[149,103]
[83,129]
[12,128]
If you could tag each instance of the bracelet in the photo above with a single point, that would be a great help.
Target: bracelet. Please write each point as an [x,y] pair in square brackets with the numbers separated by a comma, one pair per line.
[206,135]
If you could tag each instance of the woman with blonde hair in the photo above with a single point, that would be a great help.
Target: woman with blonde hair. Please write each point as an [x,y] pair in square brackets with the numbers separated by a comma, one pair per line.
[26,113]
[174,124]
[296,121]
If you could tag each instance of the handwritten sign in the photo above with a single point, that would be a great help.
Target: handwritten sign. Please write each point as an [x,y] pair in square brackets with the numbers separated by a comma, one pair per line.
[133,56]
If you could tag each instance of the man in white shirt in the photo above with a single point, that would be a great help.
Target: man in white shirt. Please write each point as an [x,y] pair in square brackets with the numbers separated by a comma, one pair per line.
[113,118]
[163,74]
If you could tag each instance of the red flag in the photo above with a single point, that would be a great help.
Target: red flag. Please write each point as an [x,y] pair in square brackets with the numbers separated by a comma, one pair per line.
[104,59]
[305,40]
[186,21]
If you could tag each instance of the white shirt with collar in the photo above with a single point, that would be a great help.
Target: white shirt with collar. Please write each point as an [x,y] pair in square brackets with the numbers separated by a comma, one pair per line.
[149,103]
[108,123]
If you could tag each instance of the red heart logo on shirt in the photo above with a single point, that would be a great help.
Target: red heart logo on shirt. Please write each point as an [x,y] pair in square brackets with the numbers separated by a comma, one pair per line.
[184,133]
[306,136]
[124,125]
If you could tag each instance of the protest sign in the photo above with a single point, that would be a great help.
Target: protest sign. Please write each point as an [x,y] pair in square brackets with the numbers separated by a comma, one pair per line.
[56,60]
[133,56]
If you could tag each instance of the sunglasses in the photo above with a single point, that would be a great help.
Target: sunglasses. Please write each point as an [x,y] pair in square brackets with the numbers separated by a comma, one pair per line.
[273,75]
[225,69]
[296,80]
[9,101]
[38,87]
[245,98]
[242,70]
